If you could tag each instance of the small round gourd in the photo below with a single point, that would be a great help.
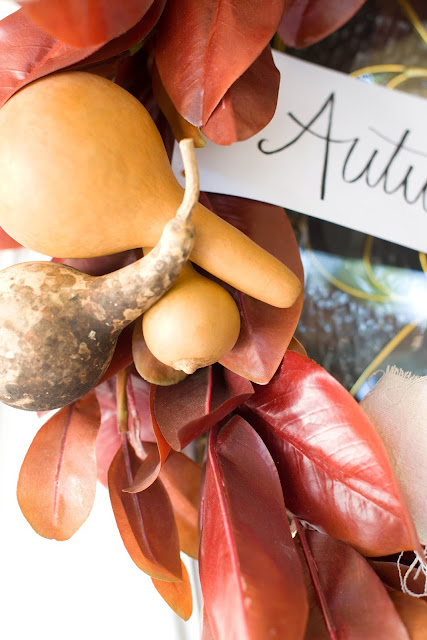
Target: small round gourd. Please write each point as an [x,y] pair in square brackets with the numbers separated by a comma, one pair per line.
[193,325]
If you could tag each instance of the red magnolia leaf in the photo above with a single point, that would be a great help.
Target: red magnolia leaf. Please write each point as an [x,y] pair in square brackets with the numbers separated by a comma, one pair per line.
[388,572]
[206,627]
[177,594]
[37,54]
[188,409]
[180,126]
[6,242]
[57,481]
[354,602]
[153,456]
[266,331]
[122,356]
[248,105]
[108,440]
[103,265]
[250,572]
[203,46]
[130,38]
[182,478]
[85,23]
[333,466]
[305,22]
[145,520]
[413,612]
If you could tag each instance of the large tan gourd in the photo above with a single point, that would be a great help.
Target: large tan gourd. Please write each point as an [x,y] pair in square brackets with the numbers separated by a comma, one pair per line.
[193,325]
[84,173]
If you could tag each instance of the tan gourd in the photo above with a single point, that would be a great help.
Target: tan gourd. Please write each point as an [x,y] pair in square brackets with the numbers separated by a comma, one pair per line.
[193,325]
[59,327]
[84,173]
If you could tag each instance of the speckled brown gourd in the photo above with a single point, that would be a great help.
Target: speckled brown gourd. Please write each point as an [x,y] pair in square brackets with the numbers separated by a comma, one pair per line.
[59,327]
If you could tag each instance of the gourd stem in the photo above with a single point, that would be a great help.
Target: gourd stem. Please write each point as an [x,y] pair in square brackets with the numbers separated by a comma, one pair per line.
[191,193]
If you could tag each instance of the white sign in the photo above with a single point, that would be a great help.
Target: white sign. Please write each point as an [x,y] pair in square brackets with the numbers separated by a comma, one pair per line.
[338,149]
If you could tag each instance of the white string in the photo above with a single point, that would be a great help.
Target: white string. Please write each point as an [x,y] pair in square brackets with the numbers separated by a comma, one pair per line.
[419,565]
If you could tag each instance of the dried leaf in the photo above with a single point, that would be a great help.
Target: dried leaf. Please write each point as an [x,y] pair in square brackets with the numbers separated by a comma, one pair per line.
[181,477]
[203,46]
[333,466]
[353,601]
[248,105]
[57,481]
[188,409]
[86,23]
[145,520]
[108,440]
[413,612]
[177,594]
[305,22]
[122,356]
[250,572]
[265,330]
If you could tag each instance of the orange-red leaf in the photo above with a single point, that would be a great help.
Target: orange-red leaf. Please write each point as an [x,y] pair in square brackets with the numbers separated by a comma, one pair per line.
[57,481]
[250,573]
[413,613]
[145,520]
[305,22]
[6,242]
[333,466]
[182,477]
[86,22]
[353,601]
[177,594]
[265,330]
[203,46]
[248,105]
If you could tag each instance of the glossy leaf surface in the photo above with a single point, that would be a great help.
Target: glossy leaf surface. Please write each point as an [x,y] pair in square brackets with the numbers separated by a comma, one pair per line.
[145,520]
[188,409]
[57,481]
[88,22]
[333,466]
[250,572]
[177,594]
[203,46]
[147,365]
[266,331]
[248,105]
[305,22]
[354,602]
[181,477]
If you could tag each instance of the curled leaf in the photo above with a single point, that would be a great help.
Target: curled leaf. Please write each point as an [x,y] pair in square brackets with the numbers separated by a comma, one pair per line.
[177,594]
[57,480]
[145,520]
[147,365]
[188,409]
[248,105]
[250,573]
[333,466]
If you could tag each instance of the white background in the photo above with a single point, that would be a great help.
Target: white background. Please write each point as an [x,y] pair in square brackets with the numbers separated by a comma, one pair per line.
[84,588]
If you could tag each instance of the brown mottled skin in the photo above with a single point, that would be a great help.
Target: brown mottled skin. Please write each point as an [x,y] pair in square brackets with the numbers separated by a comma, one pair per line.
[59,327]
